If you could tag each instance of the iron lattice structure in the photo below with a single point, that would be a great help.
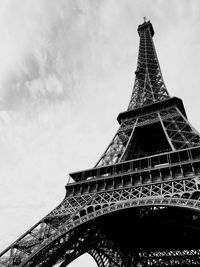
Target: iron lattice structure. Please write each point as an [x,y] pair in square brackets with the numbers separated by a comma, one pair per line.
[140,204]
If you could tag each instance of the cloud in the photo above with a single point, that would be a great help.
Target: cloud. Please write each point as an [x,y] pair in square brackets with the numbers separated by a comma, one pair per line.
[41,45]
[50,86]
[60,44]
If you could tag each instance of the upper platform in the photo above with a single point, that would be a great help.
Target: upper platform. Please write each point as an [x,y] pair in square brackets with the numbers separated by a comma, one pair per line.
[155,107]
[145,25]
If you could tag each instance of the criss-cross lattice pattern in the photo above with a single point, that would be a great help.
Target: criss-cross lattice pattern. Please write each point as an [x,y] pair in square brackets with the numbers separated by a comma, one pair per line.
[168,258]
[179,130]
[149,86]
[118,145]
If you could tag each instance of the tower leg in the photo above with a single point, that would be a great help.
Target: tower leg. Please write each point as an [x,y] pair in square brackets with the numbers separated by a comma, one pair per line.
[104,252]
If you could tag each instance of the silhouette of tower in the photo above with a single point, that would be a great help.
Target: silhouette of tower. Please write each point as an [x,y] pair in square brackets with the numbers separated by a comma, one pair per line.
[139,206]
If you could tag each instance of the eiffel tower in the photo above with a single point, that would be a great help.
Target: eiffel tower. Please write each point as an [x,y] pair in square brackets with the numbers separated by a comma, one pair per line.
[140,204]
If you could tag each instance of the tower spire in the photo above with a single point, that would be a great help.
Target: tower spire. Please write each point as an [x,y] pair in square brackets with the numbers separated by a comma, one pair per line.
[149,86]
[145,19]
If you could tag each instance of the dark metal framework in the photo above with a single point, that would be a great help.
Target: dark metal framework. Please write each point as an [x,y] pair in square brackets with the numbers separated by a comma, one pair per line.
[149,86]
[140,204]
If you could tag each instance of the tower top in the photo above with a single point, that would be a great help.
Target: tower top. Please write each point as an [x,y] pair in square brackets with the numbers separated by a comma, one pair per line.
[146,24]
[149,86]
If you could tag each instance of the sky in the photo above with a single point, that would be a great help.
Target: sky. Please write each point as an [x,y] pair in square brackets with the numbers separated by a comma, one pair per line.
[66,72]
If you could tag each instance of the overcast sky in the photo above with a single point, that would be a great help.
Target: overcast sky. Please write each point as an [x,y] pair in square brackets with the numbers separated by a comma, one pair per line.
[66,71]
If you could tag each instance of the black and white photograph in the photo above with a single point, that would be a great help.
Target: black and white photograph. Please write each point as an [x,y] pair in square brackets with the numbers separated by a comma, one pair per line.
[99,133]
